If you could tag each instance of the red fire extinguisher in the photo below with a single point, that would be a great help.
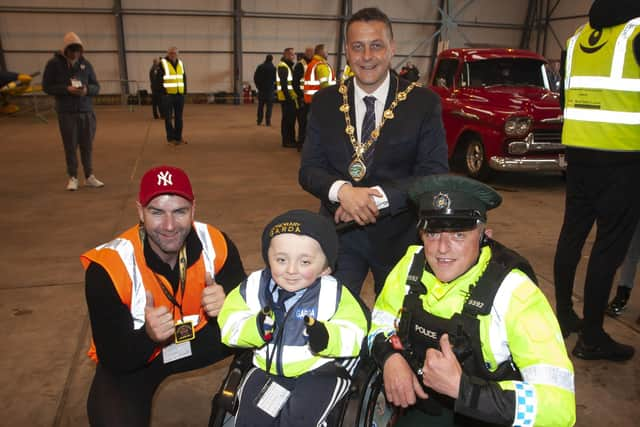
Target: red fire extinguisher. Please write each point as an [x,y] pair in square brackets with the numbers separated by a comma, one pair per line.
[246,94]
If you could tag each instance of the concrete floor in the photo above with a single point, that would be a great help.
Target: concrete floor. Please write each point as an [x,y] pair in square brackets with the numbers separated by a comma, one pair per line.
[241,178]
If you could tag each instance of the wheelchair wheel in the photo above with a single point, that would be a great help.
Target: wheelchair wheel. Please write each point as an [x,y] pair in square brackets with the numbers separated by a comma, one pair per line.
[366,404]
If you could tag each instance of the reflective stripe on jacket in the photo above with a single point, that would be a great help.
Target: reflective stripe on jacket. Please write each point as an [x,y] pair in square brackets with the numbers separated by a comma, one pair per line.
[173,77]
[602,89]
[279,89]
[521,328]
[325,300]
[319,75]
[124,261]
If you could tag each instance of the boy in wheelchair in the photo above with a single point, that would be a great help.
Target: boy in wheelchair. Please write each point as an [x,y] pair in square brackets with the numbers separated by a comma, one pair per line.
[305,328]
[462,316]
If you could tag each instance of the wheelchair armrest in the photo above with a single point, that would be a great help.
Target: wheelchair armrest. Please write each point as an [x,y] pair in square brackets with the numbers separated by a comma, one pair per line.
[227,395]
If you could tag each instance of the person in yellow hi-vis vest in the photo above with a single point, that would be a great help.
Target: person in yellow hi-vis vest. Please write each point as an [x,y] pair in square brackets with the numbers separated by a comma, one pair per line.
[601,133]
[287,97]
[174,81]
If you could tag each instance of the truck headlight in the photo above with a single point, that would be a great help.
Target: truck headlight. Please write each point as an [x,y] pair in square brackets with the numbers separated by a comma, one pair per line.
[517,126]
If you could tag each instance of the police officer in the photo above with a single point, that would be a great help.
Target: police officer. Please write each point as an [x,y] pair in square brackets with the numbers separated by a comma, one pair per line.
[509,364]
[287,97]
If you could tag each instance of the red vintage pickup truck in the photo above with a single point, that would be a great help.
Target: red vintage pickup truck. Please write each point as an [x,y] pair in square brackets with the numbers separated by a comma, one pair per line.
[499,111]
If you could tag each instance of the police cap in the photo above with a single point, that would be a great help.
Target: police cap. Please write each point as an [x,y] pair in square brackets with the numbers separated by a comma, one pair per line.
[451,202]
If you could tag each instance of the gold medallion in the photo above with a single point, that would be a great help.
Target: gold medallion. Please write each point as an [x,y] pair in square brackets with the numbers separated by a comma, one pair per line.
[357,170]
[184,332]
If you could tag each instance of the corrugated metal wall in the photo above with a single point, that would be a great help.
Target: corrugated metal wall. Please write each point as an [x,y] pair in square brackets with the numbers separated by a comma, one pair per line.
[30,30]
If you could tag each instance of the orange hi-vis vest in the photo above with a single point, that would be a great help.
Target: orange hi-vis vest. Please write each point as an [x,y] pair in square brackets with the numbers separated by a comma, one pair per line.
[316,79]
[123,259]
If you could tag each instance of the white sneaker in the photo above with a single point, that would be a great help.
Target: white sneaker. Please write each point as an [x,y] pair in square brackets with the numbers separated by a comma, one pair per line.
[92,181]
[72,185]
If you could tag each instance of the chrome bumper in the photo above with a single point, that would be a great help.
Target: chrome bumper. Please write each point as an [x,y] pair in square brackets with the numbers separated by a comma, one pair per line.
[523,164]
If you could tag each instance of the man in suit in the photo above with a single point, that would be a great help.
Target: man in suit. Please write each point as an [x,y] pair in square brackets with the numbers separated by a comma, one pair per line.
[361,154]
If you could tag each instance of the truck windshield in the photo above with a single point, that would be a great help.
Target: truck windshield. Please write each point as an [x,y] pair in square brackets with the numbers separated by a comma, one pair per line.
[505,71]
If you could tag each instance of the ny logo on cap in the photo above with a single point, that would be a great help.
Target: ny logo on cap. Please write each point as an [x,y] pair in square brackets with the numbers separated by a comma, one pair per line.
[441,201]
[165,178]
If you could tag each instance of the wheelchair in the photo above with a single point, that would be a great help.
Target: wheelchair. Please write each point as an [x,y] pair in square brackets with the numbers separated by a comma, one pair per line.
[364,405]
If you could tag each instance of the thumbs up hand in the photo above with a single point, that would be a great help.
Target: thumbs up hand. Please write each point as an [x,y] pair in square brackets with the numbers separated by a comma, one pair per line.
[158,321]
[212,296]
[442,371]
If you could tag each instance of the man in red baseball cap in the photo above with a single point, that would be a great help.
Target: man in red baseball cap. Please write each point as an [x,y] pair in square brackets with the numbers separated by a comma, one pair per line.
[153,295]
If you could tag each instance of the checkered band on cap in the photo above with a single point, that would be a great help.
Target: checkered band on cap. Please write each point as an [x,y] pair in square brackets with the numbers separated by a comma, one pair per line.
[164,180]
[526,404]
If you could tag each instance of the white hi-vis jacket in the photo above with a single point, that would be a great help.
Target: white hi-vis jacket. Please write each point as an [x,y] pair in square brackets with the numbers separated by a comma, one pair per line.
[602,84]
[173,77]
[325,300]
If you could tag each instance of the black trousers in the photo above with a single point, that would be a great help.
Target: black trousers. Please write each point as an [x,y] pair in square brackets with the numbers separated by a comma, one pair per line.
[313,395]
[288,123]
[173,105]
[77,131]
[608,196]
[156,104]
[124,399]
[263,102]
[301,116]
[355,258]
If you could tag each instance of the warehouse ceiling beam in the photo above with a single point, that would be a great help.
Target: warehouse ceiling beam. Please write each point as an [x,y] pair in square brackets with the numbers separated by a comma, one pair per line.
[447,23]
[346,7]
[3,63]
[237,49]
[122,51]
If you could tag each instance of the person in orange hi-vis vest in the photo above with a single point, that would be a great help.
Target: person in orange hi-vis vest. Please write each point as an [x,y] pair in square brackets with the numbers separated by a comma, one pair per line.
[153,294]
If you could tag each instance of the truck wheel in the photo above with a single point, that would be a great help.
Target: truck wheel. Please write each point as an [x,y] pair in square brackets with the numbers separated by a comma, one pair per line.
[470,158]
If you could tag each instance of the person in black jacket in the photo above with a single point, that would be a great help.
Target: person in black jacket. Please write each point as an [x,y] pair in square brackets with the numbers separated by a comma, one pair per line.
[298,86]
[70,78]
[367,140]
[603,169]
[155,78]
[153,296]
[265,80]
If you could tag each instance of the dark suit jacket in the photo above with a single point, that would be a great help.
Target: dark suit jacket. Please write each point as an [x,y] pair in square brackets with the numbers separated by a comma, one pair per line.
[410,145]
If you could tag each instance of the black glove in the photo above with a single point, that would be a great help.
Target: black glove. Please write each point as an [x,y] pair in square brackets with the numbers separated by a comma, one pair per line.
[318,334]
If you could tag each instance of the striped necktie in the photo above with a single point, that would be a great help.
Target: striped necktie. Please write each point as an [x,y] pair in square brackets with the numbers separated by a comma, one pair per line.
[368,125]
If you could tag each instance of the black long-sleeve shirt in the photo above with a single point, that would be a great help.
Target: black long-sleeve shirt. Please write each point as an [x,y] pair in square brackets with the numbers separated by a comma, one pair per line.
[123,349]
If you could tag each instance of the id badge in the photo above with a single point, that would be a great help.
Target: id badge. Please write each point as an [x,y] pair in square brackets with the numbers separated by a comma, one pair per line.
[184,332]
[272,398]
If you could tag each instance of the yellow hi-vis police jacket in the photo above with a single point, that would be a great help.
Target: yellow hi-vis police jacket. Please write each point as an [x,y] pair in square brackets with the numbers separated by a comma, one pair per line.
[289,83]
[602,89]
[123,259]
[173,77]
[520,327]
[326,301]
